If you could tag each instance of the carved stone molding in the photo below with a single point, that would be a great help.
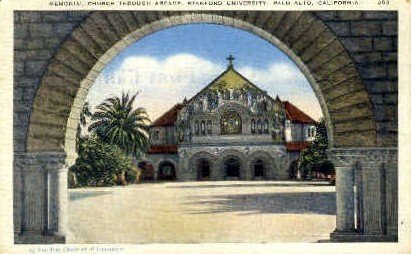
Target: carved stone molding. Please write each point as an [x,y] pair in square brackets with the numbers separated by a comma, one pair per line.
[41,161]
[375,155]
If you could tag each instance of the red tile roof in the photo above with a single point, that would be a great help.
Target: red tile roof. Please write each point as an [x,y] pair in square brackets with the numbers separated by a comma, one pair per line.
[162,149]
[296,115]
[168,118]
[297,146]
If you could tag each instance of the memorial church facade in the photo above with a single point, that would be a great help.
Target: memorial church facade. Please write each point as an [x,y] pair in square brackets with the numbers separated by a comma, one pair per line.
[229,130]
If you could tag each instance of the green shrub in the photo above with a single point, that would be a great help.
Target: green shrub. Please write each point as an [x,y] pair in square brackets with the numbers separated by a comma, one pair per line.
[99,163]
[326,167]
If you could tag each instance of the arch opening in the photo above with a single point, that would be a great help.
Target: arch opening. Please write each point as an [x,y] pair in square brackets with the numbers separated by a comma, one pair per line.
[203,169]
[166,171]
[260,170]
[232,168]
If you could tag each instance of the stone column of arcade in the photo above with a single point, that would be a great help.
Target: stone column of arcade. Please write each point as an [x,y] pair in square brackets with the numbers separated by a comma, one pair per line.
[58,201]
[344,168]
[42,178]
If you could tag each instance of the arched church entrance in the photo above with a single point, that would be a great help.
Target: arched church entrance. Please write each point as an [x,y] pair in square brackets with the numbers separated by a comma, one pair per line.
[166,171]
[48,134]
[232,168]
[259,170]
[203,169]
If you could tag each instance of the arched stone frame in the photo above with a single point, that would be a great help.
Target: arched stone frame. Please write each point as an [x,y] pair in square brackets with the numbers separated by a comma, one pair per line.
[231,153]
[79,60]
[192,163]
[161,162]
[270,165]
[317,52]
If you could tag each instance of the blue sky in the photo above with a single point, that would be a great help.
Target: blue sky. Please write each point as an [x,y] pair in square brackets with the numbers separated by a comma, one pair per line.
[177,62]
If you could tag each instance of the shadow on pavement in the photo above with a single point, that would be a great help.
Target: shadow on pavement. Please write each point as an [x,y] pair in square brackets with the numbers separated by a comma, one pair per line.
[271,184]
[277,203]
[73,196]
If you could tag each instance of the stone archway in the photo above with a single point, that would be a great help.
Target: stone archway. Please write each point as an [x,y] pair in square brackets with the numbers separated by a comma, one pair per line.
[196,161]
[203,169]
[265,163]
[317,52]
[307,39]
[166,171]
[232,164]
[232,168]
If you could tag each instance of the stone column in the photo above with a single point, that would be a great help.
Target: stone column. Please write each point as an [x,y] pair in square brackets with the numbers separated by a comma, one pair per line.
[345,198]
[380,194]
[377,186]
[372,197]
[392,194]
[43,197]
[247,168]
[344,168]
[58,201]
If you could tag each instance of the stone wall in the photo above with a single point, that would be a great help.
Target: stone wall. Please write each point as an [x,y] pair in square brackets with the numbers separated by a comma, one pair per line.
[37,37]
[371,39]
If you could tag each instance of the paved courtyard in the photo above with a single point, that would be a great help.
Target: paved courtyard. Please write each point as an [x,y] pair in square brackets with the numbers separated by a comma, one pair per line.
[193,212]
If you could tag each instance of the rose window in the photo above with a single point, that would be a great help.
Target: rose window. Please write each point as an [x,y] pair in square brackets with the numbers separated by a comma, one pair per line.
[230,123]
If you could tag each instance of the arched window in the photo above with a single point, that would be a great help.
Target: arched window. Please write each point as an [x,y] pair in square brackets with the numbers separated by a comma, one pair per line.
[196,128]
[209,125]
[252,125]
[230,123]
[266,125]
[203,132]
[259,126]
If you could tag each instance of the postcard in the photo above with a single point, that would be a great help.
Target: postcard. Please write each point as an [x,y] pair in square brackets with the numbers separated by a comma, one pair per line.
[140,126]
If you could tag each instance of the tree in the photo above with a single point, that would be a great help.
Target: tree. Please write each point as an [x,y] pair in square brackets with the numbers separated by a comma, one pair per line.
[315,157]
[85,114]
[116,122]
[101,164]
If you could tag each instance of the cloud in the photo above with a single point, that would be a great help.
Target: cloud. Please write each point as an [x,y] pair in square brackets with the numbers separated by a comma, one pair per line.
[165,82]
[161,83]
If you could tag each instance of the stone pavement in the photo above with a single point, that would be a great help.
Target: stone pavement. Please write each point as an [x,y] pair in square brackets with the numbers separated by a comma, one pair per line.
[194,212]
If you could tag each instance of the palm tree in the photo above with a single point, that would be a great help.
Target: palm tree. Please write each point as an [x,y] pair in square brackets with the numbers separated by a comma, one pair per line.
[116,122]
[84,115]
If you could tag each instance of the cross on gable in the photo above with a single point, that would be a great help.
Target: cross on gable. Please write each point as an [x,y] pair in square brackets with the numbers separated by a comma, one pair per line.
[230,59]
